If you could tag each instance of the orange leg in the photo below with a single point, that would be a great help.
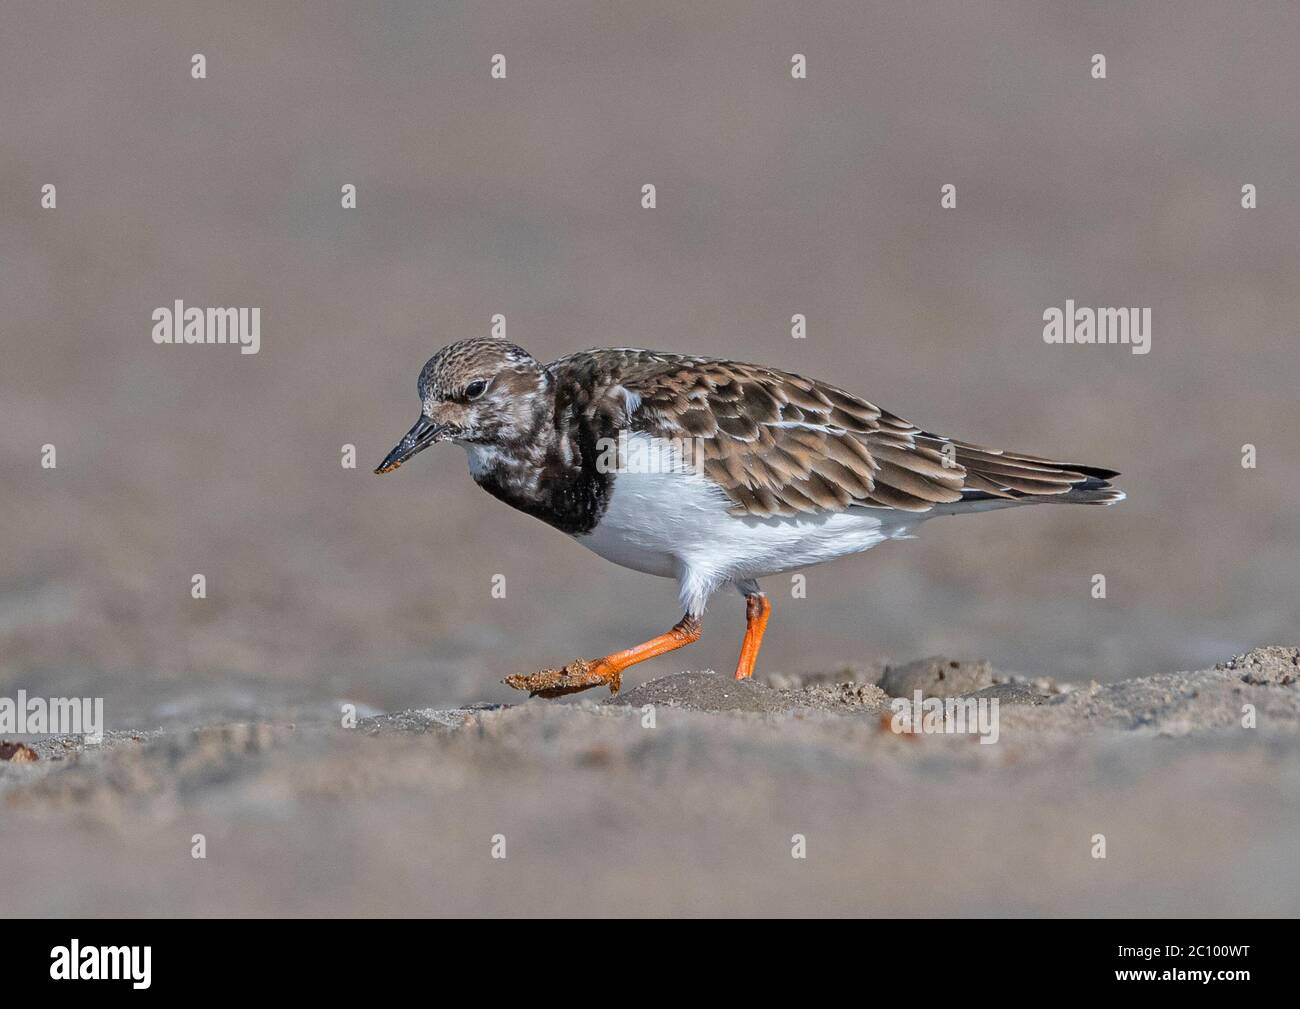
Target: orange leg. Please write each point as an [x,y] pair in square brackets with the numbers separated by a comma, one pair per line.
[581,674]
[757,609]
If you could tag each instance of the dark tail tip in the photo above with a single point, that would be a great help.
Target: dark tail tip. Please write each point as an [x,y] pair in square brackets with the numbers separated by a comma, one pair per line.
[1095,490]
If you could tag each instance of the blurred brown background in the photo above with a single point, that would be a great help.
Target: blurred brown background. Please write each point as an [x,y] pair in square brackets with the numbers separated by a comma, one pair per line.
[521,196]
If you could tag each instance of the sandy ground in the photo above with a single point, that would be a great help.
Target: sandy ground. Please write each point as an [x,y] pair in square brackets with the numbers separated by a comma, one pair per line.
[602,814]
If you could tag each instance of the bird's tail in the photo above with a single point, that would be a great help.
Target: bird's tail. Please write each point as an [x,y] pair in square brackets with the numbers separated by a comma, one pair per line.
[1094,490]
[1011,477]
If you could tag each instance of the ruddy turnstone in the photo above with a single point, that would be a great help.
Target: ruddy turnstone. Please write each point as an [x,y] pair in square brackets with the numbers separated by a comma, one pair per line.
[707,471]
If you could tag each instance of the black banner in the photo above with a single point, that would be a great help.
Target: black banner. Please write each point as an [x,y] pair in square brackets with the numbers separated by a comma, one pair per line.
[336,958]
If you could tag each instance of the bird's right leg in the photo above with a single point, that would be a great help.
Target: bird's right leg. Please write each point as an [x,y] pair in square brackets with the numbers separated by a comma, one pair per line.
[757,609]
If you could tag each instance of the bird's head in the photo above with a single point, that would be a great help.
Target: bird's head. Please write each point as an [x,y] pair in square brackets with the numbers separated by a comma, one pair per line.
[473,392]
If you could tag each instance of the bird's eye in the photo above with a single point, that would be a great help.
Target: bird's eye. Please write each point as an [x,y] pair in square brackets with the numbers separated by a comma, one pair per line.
[475,389]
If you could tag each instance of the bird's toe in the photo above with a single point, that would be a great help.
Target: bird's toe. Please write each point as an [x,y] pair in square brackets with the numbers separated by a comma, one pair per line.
[578,675]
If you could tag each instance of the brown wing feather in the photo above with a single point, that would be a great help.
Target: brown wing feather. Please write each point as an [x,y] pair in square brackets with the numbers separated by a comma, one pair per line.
[781,444]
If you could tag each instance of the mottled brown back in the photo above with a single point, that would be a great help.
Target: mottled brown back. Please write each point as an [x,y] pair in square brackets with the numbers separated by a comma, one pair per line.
[780,444]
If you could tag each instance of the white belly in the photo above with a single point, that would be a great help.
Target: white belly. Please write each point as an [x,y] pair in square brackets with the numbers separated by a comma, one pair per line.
[676,525]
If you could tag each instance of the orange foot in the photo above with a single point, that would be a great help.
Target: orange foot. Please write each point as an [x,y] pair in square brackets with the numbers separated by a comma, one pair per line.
[577,675]
[582,674]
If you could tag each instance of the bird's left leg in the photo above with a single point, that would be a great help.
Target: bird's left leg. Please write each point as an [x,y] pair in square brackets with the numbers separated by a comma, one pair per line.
[582,674]
[757,609]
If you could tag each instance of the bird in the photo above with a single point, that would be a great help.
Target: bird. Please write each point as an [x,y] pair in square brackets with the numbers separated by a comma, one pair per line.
[711,472]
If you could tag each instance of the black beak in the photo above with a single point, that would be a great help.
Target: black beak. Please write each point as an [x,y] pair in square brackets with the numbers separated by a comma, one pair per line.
[420,437]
